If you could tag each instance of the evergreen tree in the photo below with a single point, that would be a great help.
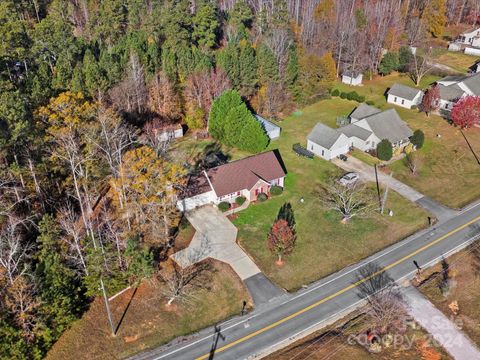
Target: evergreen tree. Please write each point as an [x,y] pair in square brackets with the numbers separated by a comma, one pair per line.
[247,68]
[220,107]
[252,136]
[92,75]
[389,63]
[240,14]
[267,68]
[139,262]
[234,120]
[205,25]
[292,70]
[62,296]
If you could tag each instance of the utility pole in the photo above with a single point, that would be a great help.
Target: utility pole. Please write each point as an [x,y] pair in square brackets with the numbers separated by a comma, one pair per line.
[384,201]
[107,306]
[378,186]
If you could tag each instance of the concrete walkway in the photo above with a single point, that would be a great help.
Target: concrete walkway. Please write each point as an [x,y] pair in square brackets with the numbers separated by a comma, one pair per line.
[237,209]
[367,173]
[215,237]
[443,330]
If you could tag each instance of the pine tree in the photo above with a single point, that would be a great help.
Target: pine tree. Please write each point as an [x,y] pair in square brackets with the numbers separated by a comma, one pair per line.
[240,14]
[389,63]
[292,70]
[267,68]
[220,107]
[235,119]
[61,293]
[247,68]
[252,136]
[206,25]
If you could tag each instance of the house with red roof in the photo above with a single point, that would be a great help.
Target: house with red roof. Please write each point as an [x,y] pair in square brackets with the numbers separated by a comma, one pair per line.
[247,177]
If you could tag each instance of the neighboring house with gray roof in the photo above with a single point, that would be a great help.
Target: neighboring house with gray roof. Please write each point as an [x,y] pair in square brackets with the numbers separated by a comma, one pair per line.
[272,130]
[362,111]
[453,88]
[364,133]
[404,96]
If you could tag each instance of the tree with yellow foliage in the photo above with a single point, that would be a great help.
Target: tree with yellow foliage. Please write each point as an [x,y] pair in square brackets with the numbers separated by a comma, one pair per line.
[435,16]
[151,185]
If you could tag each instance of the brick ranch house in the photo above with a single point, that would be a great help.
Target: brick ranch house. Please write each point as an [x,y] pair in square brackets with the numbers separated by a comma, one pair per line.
[246,177]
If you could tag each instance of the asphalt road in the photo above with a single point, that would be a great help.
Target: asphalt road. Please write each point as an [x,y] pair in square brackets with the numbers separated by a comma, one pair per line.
[273,322]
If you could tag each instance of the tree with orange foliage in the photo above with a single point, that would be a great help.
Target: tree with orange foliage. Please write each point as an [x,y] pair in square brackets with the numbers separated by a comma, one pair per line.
[281,239]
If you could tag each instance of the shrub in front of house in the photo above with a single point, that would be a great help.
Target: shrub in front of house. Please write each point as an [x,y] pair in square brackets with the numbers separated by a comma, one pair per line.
[370,102]
[240,200]
[343,95]
[262,197]
[276,190]
[352,96]
[384,150]
[335,92]
[418,138]
[224,206]
[360,98]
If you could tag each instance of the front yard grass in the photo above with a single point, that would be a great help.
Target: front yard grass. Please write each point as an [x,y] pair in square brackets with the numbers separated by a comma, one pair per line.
[365,157]
[464,288]
[147,322]
[456,60]
[323,245]
[376,88]
[449,172]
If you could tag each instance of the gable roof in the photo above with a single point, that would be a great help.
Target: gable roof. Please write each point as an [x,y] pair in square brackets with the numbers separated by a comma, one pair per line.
[354,130]
[324,135]
[473,83]
[245,173]
[267,125]
[364,110]
[403,91]
[450,93]
[389,125]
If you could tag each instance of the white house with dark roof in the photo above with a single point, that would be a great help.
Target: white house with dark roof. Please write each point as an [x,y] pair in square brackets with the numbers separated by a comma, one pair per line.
[352,78]
[452,88]
[404,96]
[272,130]
[368,127]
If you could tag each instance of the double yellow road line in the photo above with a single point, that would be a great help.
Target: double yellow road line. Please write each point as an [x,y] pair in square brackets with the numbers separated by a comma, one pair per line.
[340,292]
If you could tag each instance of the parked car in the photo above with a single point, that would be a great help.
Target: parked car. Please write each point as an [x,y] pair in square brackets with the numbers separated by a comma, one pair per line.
[349,179]
[343,157]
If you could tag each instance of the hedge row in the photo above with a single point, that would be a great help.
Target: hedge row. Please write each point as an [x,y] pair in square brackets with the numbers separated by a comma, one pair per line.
[353,95]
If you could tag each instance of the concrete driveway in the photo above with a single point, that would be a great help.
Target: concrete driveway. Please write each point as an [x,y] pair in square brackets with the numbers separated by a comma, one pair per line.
[215,237]
[367,173]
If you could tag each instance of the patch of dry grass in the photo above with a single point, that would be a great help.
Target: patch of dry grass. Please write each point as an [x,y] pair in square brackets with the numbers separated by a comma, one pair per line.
[148,323]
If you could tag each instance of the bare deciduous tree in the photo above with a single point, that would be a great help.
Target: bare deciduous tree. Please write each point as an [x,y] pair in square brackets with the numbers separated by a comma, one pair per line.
[421,65]
[385,304]
[413,162]
[350,201]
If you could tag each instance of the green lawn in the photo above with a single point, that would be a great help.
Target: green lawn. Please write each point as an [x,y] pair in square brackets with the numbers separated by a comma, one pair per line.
[456,60]
[447,161]
[375,89]
[449,172]
[365,157]
[324,245]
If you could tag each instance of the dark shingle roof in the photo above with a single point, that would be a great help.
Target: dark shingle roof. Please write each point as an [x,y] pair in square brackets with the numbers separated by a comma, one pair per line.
[389,125]
[403,91]
[364,110]
[324,135]
[244,174]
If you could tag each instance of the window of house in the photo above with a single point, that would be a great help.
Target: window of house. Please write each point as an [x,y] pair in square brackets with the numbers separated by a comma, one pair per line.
[323,152]
[403,102]
[311,147]
[446,106]
[395,99]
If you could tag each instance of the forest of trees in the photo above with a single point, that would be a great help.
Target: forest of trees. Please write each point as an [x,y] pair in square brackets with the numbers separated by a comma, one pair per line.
[87,195]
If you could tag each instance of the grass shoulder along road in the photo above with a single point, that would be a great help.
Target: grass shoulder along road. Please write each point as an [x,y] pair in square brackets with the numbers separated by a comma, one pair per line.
[148,323]
[323,245]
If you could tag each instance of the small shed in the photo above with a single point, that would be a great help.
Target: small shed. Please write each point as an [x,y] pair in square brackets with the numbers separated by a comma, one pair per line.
[169,132]
[404,96]
[352,78]
[272,130]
